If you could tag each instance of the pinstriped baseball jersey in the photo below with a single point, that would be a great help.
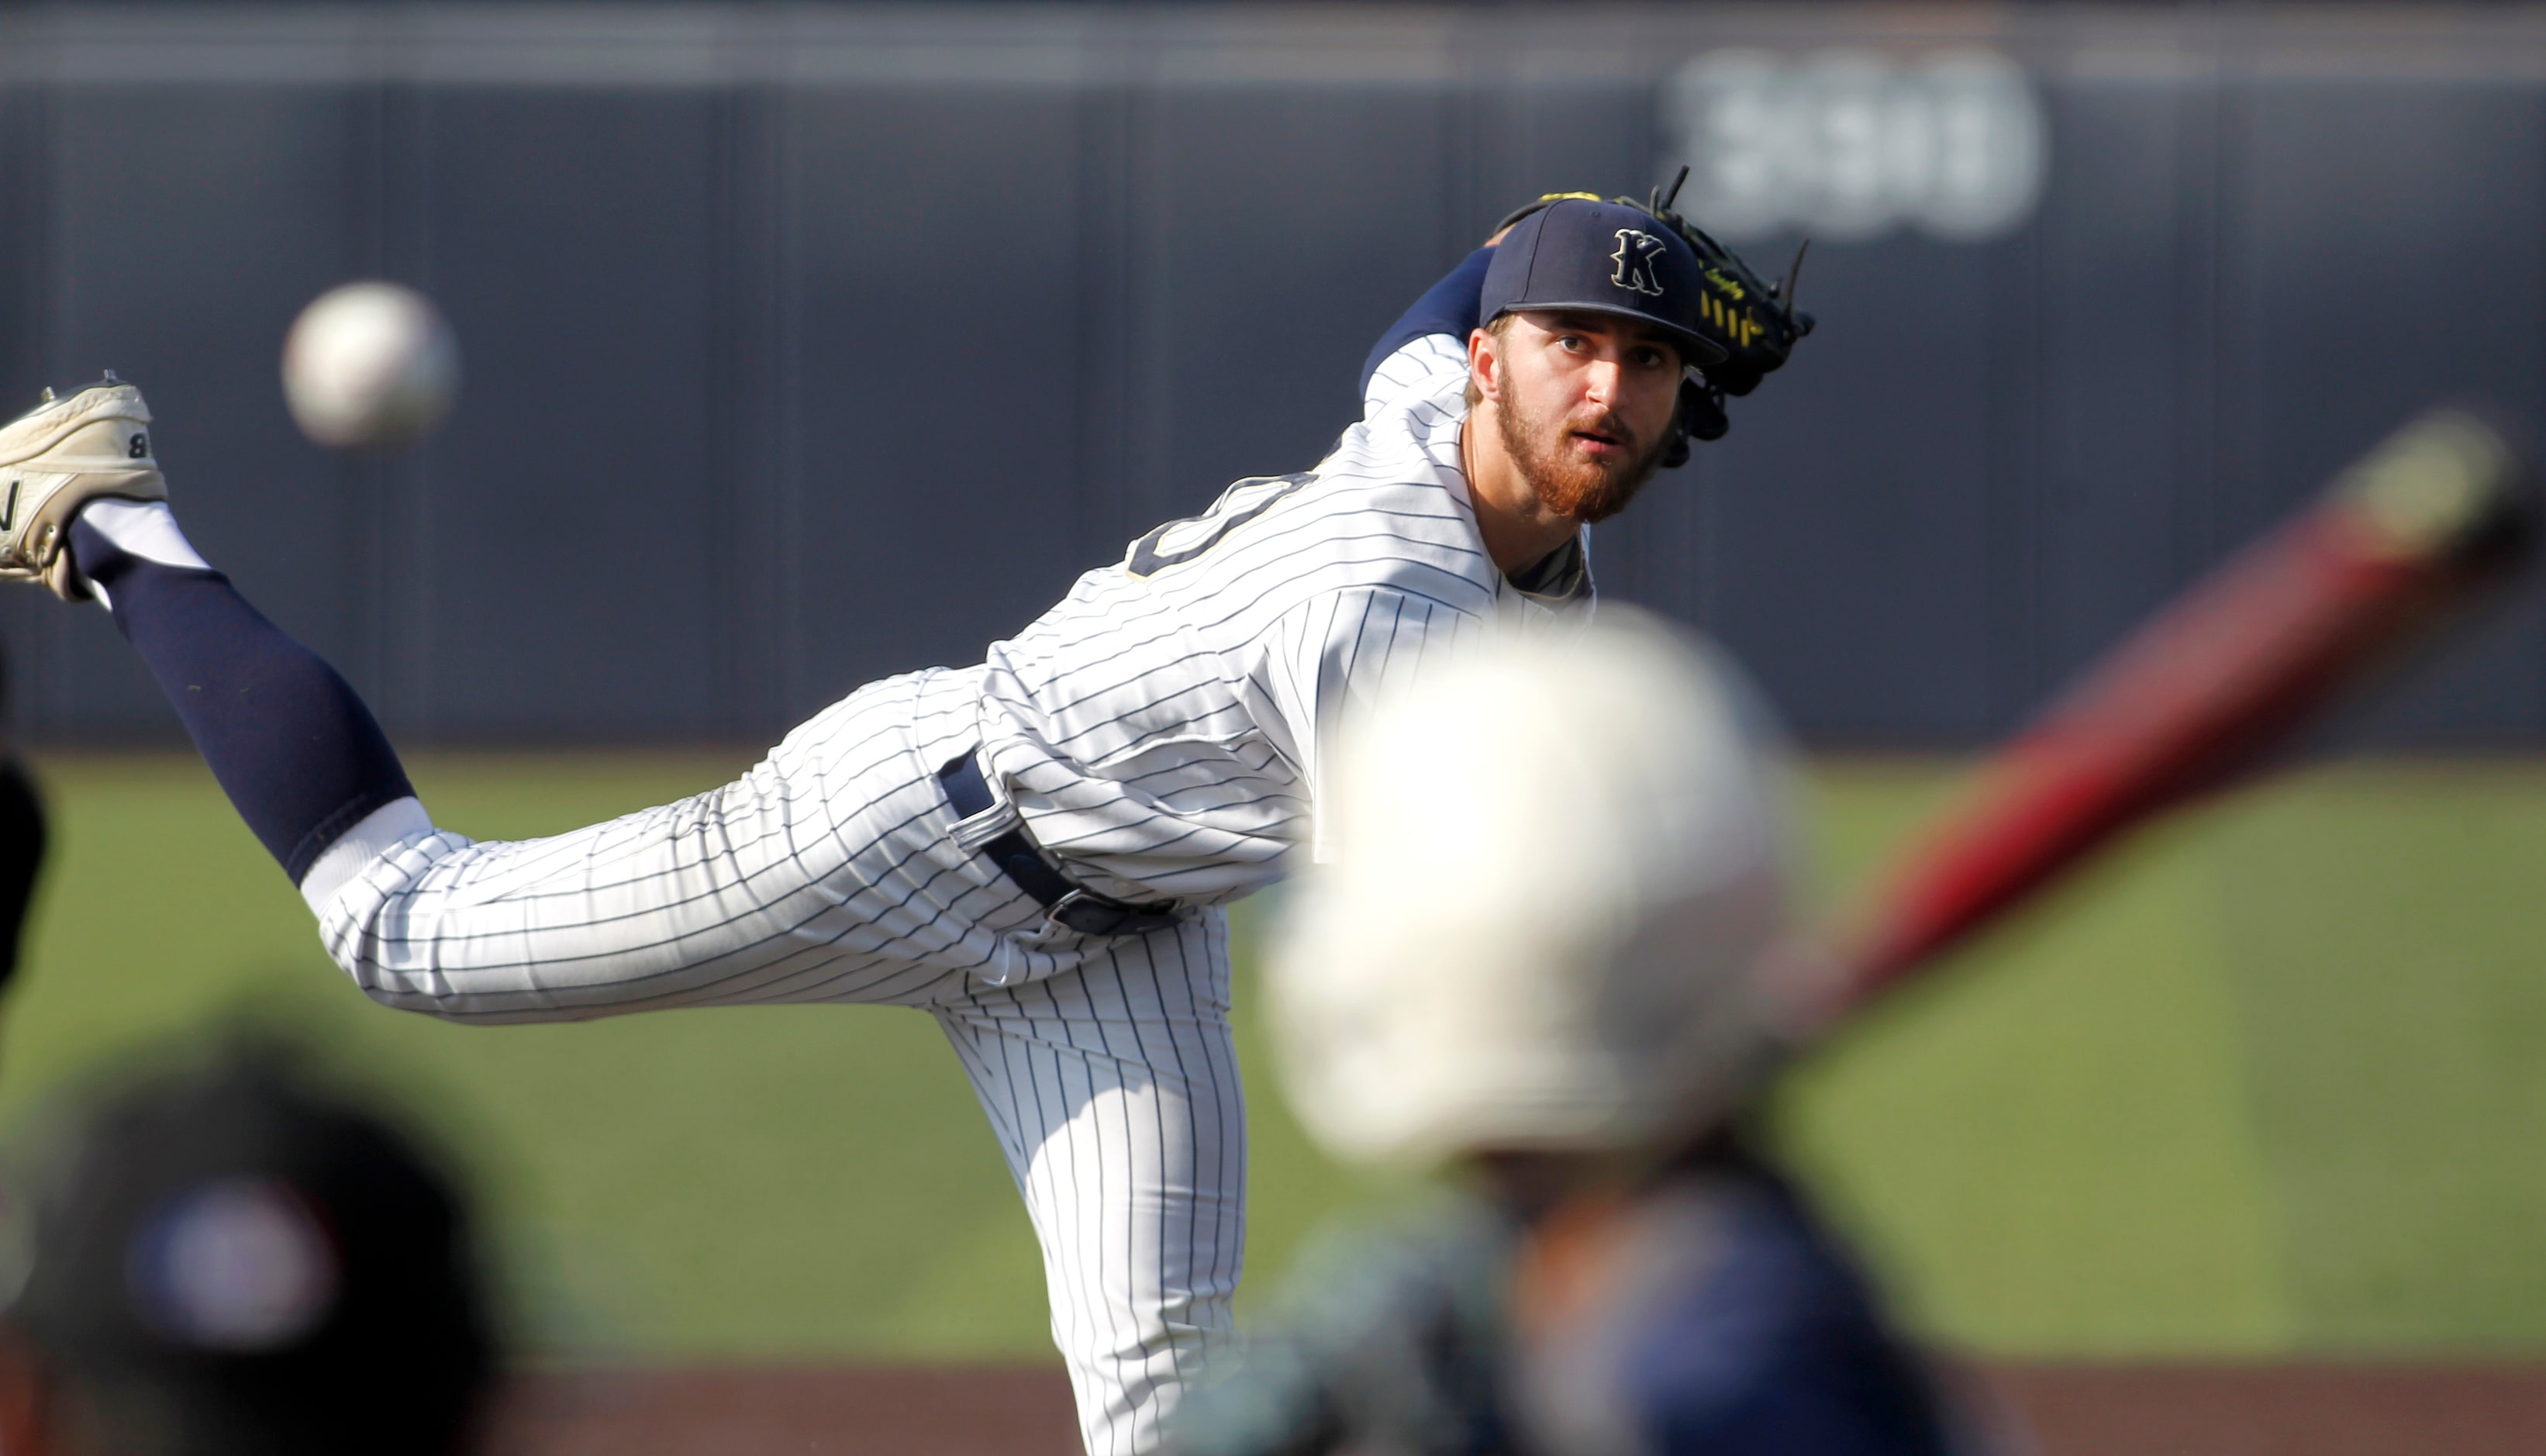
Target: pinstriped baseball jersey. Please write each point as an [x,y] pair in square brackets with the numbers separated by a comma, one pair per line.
[1161,728]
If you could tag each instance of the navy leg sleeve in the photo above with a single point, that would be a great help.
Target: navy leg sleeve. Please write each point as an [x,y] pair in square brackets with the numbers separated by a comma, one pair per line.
[1450,308]
[297,751]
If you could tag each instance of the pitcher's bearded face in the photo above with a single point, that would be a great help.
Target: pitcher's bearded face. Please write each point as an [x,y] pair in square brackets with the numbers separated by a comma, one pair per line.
[1586,464]
[1586,407]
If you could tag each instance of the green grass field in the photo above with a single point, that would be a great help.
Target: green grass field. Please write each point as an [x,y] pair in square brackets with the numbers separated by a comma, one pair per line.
[2274,1081]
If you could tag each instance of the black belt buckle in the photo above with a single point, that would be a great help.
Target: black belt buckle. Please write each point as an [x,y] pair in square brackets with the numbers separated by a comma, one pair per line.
[1093,915]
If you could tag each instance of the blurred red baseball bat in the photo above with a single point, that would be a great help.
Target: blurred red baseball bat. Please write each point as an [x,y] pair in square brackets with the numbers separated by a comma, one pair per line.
[2403,545]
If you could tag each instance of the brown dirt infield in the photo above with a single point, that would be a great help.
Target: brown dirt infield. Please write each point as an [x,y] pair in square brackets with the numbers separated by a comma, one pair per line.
[2328,1410]
[1009,1411]
[832,1409]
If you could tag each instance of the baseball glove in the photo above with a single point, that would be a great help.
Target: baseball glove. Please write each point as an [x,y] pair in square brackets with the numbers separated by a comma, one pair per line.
[1757,323]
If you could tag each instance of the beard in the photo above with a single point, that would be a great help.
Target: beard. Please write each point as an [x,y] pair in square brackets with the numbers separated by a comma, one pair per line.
[1587,490]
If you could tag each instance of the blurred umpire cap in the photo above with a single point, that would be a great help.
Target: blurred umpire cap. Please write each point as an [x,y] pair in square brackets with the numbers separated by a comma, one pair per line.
[1600,258]
[232,1259]
[1554,866]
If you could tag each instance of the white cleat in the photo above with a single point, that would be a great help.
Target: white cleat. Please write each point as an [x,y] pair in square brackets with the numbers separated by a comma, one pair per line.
[57,459]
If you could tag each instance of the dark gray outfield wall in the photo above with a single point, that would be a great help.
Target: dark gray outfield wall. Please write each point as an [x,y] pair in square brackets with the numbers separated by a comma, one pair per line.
[806,345]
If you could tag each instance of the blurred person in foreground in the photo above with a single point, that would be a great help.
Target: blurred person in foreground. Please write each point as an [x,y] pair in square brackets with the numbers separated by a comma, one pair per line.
[230,1258]
[22,844]
[1531,964]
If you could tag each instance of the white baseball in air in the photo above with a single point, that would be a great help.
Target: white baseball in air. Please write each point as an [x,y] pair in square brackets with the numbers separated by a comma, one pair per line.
[370,366]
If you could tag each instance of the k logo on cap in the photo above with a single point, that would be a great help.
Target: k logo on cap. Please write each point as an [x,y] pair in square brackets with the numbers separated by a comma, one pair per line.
[1634,258]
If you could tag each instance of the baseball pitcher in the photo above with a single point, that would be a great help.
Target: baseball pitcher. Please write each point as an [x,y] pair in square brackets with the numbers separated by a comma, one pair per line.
[1034,850]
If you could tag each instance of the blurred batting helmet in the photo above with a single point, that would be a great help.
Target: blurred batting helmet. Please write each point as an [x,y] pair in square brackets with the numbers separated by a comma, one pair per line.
[1555,864]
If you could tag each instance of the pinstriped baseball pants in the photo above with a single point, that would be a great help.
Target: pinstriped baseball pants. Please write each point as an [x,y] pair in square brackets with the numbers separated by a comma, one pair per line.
[827,874]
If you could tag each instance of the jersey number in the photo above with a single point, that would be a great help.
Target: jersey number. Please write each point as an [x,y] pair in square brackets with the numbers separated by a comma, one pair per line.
[1147,559]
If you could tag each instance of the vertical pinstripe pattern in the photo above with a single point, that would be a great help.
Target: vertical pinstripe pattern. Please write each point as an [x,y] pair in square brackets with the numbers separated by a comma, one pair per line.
[1158,732]
[1113,1093]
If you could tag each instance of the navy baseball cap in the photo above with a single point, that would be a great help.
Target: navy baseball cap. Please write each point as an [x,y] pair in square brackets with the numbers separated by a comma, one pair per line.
[1600,258]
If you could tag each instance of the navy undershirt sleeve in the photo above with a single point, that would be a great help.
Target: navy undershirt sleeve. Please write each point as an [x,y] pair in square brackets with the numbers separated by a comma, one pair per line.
[295,749]
[1449,307]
